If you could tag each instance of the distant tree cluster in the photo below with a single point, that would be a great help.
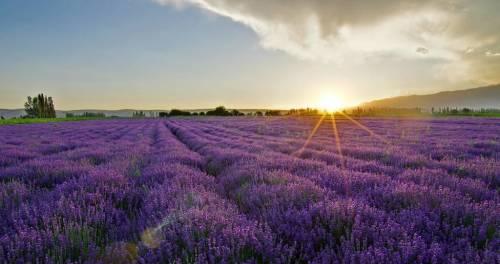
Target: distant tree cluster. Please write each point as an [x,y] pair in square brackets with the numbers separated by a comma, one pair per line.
[235,112]
[464,111]
[218,111]
[86,115]
[177,112]
[273,113]
[40,106]
[222,111]
[304,112]
[360,111]
[138,114]
[379,111]
[442,111]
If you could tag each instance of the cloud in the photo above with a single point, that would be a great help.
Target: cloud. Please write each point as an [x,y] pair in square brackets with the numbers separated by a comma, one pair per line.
[336,31]
[422,50]
[492,54]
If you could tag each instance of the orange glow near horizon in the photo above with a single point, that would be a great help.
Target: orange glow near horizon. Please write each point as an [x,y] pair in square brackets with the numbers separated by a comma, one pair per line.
[330,103]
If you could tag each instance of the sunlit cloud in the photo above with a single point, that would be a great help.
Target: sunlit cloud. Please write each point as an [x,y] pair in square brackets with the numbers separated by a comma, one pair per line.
[337,32]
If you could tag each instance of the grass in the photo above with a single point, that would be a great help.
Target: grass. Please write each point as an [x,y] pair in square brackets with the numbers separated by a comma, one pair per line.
[19,121]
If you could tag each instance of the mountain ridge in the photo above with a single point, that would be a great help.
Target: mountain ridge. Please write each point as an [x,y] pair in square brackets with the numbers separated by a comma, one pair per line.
[475,98]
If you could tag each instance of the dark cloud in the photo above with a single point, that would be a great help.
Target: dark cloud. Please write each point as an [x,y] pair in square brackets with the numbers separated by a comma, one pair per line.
[422,50]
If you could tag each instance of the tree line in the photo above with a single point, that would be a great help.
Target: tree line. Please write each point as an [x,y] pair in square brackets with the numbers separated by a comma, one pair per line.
[42,106]
[218,111]
[86,115]
[449,111]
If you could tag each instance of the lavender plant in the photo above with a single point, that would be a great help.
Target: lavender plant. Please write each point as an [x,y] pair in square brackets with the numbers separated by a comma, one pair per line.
[251,190]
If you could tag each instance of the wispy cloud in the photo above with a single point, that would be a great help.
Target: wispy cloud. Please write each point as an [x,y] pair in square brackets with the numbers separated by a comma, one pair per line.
[492,54]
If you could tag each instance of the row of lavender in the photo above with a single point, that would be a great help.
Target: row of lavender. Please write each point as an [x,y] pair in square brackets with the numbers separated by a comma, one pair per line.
[390,202]
[118,192]
[130,191]
[464,148]
[64,192]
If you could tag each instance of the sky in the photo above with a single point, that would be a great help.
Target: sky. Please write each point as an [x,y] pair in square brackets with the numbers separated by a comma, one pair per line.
[162,54]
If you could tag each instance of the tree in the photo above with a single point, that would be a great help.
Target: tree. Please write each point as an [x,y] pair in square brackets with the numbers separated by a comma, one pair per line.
[93,115]
[219,111]
[299,112]
[235,112]
[51,109]
[40,106]
[177,112]
[163,114]
[139,114]
[273,113]
[222,111]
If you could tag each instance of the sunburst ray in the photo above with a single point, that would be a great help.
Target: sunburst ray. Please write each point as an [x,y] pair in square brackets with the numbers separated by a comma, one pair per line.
[311,135]
[373,134]
[337,141]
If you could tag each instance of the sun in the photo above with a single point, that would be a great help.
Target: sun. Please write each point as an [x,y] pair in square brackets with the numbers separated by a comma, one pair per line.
[330,103]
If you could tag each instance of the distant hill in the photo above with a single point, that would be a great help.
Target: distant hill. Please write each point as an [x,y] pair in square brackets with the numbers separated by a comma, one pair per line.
[476,98]
[10,113]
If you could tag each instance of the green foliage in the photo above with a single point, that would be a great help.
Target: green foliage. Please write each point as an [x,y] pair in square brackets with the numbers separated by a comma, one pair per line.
[219,111]
[303,112]
[177,112]
[273,113]
[235,112]
[222,111]
[93,115]
[386,112]
[483,112]
[20,121]
[40,106]
[86,115]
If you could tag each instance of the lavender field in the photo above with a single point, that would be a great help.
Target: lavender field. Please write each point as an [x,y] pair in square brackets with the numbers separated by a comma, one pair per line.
[251,190]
